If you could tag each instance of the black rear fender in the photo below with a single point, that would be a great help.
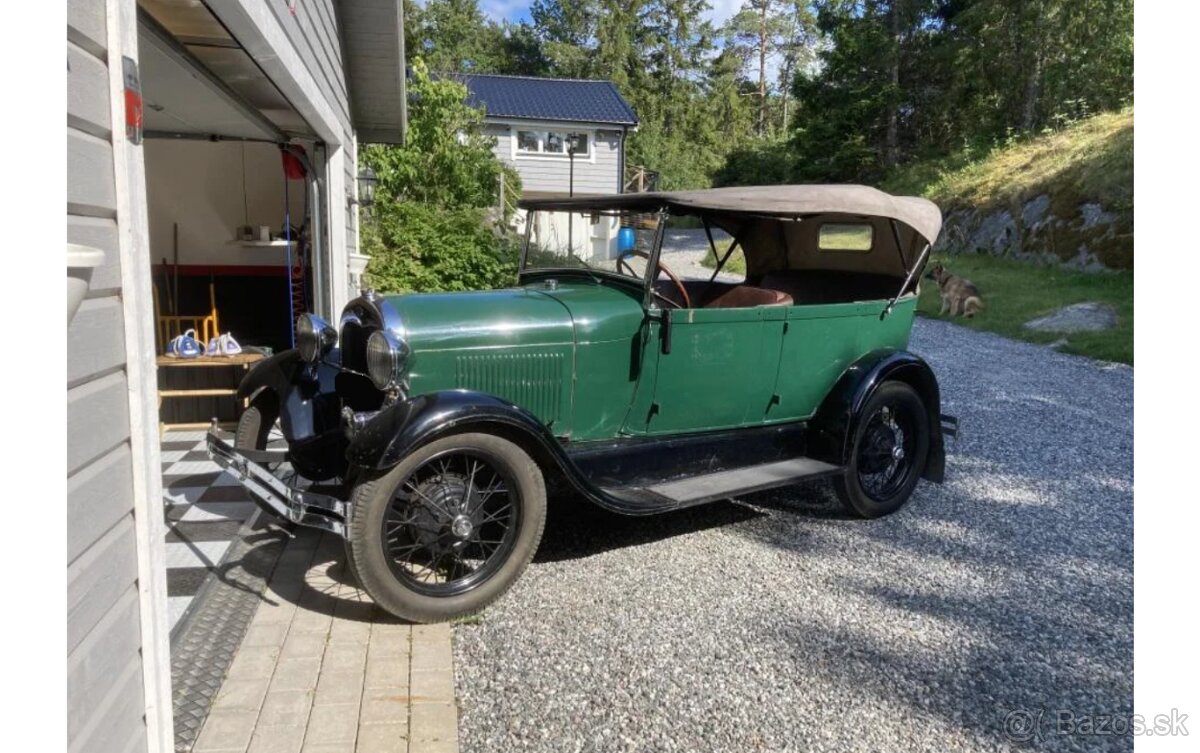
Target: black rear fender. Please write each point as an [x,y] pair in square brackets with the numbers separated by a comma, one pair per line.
[832,429]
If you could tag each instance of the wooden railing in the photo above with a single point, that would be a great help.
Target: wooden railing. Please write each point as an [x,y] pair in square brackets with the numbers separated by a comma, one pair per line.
[639,180]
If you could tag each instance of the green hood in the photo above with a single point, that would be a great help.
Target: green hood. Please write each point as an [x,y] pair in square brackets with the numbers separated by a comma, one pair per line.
[575,312]
[534,345]
[484,319]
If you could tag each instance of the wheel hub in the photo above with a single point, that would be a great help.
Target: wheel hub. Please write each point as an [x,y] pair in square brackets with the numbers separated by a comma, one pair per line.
[462,527]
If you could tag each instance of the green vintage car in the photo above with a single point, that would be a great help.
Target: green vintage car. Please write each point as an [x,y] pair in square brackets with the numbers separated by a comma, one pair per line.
[427,429]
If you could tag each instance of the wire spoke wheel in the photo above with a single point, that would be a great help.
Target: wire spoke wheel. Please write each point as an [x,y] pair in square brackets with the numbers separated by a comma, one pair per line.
[889,452]
[885,455]
[451,523]
[447,530]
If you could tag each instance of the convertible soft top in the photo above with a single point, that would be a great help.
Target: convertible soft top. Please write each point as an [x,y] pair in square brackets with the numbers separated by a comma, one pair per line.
[921,215]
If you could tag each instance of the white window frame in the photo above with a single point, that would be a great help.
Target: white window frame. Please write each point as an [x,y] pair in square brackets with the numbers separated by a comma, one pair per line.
[542,129]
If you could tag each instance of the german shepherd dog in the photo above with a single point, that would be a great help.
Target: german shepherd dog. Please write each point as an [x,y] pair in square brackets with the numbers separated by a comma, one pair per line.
[959,295]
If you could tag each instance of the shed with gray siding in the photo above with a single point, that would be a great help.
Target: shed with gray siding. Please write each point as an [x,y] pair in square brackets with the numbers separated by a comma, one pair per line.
[533,118]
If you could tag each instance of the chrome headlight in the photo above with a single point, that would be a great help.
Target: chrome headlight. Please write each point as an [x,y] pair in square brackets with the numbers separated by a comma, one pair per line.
[314,337]
[387,356]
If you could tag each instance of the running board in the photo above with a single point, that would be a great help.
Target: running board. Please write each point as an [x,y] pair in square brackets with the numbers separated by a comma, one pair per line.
[710,487]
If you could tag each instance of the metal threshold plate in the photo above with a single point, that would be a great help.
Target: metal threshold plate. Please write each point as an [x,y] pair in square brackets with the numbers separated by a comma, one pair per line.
[752,478]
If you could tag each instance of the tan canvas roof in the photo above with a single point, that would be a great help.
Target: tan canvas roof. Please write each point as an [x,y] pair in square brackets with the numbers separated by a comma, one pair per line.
[921,215]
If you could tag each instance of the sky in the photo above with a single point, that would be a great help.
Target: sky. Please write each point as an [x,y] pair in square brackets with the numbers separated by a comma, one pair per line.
[518,10]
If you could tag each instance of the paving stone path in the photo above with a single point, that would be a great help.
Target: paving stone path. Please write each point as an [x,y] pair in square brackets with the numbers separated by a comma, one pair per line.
[322,670]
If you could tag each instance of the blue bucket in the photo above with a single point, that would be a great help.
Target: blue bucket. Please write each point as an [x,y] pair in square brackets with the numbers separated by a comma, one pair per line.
[626,239]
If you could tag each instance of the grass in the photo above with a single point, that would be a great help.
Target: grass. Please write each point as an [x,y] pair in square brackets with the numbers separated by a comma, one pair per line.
[470,619]
[736,264]
[1089,159]
[1015,292]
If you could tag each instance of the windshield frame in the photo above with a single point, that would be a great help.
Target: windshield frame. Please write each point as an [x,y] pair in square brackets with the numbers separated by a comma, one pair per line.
[646,281]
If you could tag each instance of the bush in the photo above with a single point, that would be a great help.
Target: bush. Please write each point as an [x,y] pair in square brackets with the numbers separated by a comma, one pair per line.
[421,247]
[434,226]
[446,158]
[760,163]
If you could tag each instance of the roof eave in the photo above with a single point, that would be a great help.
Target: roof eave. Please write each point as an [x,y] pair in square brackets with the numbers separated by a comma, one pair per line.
[498,117]
[373,48]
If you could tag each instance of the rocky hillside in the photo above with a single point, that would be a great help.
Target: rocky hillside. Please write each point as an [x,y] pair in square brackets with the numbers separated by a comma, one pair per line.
[1064,198]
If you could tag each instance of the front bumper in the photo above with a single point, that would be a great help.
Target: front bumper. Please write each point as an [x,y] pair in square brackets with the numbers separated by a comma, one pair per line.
[300,506]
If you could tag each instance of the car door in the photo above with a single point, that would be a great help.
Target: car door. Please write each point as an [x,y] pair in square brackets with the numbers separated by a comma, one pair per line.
[820,342]
[720,370]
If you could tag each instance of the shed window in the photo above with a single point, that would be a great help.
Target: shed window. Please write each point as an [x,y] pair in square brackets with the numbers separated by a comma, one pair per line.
[551,143]
[527,141]
[846,237]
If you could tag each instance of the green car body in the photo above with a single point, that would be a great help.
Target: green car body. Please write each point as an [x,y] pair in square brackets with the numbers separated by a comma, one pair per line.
[582,356]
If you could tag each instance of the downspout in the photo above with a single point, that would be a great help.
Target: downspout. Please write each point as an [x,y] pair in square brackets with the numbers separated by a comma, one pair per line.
[318,245]
[621,161]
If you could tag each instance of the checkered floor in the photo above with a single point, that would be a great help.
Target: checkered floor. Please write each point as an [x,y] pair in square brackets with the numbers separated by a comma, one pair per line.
[205,508]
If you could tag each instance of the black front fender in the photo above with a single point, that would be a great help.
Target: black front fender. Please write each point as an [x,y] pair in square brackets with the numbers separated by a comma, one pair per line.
[304,394]
[305,398]
[400,429]
[831,431]
[388,437]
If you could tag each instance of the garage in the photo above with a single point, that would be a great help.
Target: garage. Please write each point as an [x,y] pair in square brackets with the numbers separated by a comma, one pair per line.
[238,204]
[212,183]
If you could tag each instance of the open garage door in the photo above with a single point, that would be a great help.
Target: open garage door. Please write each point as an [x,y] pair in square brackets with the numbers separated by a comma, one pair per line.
[198,82]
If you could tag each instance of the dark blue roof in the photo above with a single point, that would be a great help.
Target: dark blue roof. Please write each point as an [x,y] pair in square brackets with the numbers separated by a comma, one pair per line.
[531,98]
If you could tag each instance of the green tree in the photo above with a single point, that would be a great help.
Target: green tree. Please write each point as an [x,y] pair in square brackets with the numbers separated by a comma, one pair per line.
[756,33]
[454,36]
[434,226]
[445,160]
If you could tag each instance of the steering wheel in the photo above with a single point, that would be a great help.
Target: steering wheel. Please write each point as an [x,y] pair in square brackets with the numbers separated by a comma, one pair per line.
[621,262]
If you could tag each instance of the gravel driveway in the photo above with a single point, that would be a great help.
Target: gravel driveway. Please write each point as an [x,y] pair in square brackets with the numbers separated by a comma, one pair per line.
[775,623]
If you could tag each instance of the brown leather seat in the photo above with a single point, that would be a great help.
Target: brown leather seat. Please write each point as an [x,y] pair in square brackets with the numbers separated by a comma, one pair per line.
[822,286]
[748,296]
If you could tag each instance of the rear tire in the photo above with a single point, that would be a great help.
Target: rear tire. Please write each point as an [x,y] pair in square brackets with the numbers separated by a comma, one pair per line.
[448,530]
[888,453]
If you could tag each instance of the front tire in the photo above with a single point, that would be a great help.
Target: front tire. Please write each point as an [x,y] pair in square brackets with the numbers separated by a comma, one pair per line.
[888,454]
[254,428]
[448,530]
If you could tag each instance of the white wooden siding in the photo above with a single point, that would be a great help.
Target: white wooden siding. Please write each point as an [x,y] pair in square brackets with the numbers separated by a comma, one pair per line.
[105,678]
[94,506]
[597,173]
[105,702]
[101,233]
[313,32]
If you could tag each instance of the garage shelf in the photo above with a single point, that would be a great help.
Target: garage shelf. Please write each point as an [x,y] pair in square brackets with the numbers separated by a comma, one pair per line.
[241,363]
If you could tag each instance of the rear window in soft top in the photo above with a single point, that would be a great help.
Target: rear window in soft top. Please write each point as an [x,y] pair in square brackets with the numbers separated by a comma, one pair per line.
[845,236]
